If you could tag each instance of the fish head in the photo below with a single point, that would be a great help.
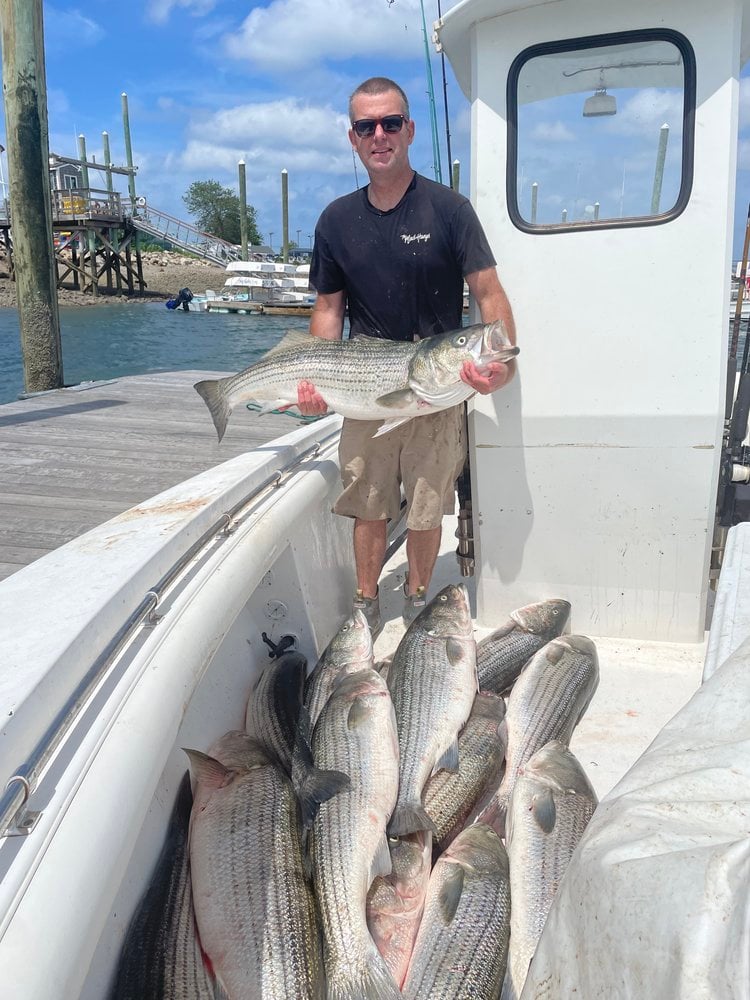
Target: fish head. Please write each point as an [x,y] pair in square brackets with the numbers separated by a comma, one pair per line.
[555,766]
[544,618]
[447,614]
[411,860]
[438,360]
[363,694]
[477,849]
[352,643]
[490,708]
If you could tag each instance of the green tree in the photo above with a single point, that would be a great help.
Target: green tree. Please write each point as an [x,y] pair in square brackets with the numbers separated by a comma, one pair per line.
[216,210]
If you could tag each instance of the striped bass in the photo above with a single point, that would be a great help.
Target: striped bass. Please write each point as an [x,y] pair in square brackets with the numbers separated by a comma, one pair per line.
[450,797]
[433,680]
[395,902]
[365,378]
[501,656]
[462,945]
[273,707]
[253,903]
[546,703]
[348,652]
[551,805]
[161,957]
[356,735]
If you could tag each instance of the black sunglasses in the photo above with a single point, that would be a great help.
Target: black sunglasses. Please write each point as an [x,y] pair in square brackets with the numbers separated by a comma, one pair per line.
[365,127]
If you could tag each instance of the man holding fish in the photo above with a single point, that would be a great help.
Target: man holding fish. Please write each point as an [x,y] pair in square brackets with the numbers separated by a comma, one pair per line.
[396,253]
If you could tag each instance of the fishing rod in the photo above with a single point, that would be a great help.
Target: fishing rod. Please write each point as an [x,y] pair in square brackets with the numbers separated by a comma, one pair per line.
[433,113]
[445,100]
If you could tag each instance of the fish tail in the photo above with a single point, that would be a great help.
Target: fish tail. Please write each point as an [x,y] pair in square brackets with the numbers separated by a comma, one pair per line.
[214,395]
[493,815]
[316,786]
[369,981]
[410,817]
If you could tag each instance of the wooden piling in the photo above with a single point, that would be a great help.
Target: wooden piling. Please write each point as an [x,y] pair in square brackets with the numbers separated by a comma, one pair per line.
[131,191]
[25,90]
[243,211]
[285,215]
[113,233]
[90,238]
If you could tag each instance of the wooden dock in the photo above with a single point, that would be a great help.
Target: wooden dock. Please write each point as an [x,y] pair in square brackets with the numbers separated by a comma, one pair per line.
[73,458]
[258,308]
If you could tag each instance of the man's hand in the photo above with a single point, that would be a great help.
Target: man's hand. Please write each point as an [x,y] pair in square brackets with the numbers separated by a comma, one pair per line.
[487,379]
[309,400]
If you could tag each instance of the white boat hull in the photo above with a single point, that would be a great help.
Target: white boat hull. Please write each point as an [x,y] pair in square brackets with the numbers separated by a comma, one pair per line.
[286,568]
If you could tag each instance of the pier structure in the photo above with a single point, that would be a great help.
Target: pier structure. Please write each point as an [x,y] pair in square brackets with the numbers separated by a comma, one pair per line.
[94,236]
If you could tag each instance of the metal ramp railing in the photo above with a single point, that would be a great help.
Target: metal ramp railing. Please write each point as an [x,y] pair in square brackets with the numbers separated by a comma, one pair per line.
[162,225]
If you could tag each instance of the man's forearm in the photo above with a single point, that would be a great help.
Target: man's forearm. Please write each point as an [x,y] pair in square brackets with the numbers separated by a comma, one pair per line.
[327,319]
[491,298]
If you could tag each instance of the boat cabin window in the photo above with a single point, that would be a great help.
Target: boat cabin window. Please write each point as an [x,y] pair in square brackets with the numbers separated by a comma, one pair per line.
[600,131]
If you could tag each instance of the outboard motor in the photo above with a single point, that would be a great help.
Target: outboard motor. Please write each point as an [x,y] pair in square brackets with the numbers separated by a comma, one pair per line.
[183,297]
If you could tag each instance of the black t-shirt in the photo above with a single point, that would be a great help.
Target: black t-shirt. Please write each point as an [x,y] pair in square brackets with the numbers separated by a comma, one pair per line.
[402,270]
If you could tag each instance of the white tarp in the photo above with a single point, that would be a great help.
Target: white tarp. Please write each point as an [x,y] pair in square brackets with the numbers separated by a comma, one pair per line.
[656,901]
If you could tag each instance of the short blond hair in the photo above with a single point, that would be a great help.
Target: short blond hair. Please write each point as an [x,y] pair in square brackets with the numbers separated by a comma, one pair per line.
[378,85]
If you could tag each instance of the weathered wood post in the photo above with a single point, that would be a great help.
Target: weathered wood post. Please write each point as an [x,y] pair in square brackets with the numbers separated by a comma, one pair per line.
[107,161]
[285,215]
[114,232]
[90,237]
[128,148]
[243,212]
[456,174]
[25,93]
[131,191]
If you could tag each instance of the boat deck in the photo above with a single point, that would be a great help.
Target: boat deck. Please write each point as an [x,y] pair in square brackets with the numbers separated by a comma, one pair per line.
[642,684]
[73,458]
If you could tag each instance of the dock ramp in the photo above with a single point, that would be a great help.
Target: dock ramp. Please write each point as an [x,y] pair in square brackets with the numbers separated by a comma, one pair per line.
[163,226]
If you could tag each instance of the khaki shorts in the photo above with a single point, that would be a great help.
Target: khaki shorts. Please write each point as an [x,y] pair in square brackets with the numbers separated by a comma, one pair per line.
[426,455]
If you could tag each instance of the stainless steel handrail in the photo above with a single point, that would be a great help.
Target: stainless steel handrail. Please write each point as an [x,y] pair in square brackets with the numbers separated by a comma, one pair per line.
[21,783]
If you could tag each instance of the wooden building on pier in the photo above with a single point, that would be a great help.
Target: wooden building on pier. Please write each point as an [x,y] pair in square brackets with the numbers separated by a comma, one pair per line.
[95,245]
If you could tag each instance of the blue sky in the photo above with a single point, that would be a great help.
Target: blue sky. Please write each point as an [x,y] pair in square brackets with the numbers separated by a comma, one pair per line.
[212,81]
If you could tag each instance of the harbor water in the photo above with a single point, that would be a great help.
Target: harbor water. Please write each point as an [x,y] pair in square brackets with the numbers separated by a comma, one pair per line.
[104,342]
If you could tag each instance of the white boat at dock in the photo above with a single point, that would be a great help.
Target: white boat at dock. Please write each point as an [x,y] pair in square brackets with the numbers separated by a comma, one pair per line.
[595,475]
[267,287]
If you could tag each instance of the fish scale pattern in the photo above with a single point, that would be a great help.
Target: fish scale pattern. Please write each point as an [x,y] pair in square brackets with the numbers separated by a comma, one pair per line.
[355,734]
[462,952]
[432,680]
[245,838]
[502,655]
[539,857]
[546,703]
[450,797]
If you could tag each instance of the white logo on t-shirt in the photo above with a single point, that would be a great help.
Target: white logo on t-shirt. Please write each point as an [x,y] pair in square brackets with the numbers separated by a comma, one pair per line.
[416,237]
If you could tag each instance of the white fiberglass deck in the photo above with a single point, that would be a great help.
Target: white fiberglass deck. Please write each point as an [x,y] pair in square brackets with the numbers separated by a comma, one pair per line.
[642,684]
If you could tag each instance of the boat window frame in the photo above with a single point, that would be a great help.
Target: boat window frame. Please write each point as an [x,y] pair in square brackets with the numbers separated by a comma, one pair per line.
[688,129]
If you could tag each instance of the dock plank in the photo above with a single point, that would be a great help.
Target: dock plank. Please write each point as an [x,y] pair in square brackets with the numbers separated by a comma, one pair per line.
[73,458]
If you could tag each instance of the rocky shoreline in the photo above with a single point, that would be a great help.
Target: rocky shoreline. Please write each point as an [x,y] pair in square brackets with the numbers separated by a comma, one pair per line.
[165,273]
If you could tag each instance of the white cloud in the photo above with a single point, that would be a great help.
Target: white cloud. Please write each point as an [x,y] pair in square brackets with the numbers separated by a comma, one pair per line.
[552,132]
[293,34]
[284,133]
[63,29]
[159,11]
[647,111]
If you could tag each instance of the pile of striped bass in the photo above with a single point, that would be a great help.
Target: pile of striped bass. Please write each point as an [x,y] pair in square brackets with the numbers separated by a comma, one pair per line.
[377,830]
